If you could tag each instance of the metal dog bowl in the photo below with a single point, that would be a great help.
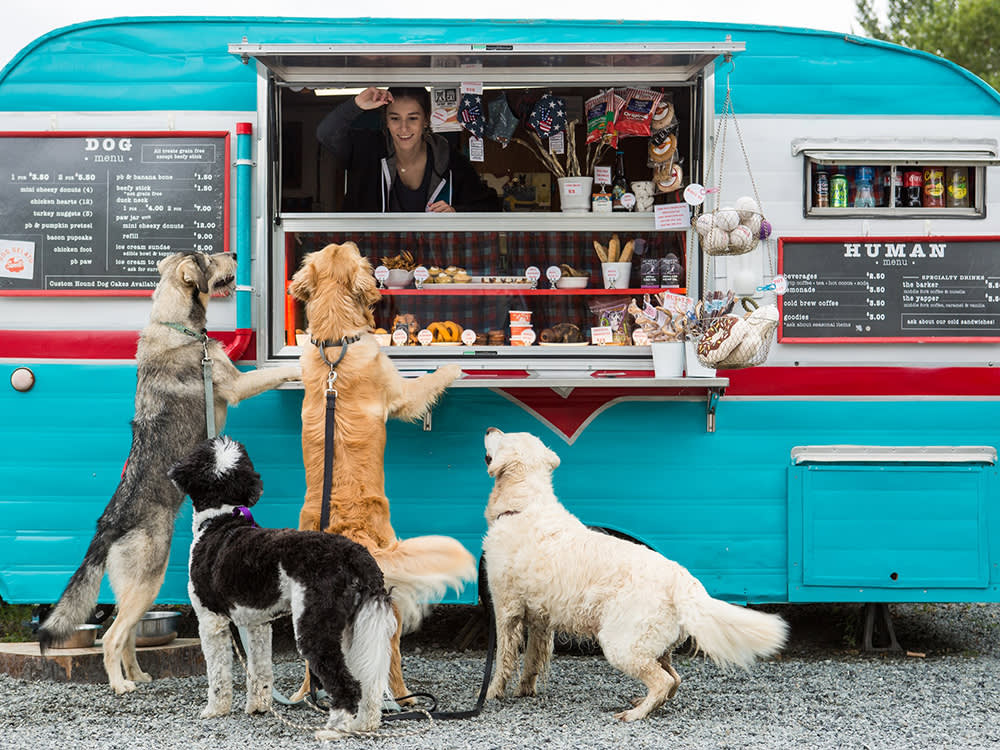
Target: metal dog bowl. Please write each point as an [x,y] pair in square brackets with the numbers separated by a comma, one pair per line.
[156,628]
[84,637]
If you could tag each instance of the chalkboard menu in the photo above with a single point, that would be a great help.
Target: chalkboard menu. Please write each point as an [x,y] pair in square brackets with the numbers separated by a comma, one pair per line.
[93,213]
[890,289]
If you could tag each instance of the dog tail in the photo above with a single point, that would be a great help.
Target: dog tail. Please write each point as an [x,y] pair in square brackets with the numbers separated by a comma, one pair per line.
[367,646]
[728,634]
[79,597]
[420,570]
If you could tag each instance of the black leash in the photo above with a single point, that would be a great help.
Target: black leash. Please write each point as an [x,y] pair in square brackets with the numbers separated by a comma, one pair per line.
[331,404]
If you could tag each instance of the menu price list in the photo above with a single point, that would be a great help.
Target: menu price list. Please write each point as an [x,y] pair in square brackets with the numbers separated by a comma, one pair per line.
[934,288]
[93,213]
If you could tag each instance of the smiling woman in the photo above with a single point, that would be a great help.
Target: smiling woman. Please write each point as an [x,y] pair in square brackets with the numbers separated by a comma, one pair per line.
[405,168]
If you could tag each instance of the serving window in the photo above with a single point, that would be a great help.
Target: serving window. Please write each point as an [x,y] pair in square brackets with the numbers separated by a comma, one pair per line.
[480,265]
[895,177]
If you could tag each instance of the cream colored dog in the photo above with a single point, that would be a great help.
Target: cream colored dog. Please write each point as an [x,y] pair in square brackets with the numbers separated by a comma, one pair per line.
[339,290]
[548,572]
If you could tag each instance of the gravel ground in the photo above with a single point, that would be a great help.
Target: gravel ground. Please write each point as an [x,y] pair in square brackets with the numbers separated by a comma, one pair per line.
[821,693]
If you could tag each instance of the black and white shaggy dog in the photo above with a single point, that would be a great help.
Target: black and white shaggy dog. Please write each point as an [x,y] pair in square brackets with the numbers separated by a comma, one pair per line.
[241,573]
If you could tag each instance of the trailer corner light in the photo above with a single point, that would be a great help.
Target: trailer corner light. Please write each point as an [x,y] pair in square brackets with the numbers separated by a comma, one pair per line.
[22,379]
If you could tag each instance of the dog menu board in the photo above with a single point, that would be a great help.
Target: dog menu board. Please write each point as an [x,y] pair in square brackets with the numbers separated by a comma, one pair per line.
[889,289]
[93,213]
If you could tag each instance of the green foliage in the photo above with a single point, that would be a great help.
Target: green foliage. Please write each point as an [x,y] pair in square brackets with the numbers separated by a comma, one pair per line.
[14,620]
[967,32]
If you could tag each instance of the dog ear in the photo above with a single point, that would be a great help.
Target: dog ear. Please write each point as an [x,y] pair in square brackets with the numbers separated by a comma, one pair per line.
[193,274]
[304,281]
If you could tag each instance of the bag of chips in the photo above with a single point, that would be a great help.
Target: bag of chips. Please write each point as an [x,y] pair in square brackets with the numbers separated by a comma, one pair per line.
[600,111]
[613,313]
[636,115]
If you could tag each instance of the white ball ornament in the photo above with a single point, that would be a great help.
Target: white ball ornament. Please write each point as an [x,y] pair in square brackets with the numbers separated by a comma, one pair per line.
[704,224]
[753,224]
[716,241]
[727,219]
[747,207]
[740,240]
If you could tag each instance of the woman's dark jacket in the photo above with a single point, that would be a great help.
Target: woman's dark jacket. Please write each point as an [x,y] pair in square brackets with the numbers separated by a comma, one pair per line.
[370,160]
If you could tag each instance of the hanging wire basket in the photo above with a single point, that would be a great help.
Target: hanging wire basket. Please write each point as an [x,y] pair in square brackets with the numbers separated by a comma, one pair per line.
[730,342]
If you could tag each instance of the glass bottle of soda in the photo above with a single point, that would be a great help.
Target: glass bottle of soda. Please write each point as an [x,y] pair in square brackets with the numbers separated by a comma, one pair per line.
[913,189]
[934,187]
[864,197]
[958,187]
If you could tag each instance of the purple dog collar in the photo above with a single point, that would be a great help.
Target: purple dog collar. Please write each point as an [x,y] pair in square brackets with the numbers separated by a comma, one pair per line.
[242,510]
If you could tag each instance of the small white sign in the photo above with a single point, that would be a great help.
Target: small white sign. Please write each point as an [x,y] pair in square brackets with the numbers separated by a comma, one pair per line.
[425,337]
[532,274]
[553,274]
[628,201]
[17,259]
[601,335]
[528,336]
[671,216]
[474,87]
[468,337]
[639,337]
[477,151]
[602,175]
[557,143]
[694,194]
[780,285]
[420,274]
[400,336]
[381,274]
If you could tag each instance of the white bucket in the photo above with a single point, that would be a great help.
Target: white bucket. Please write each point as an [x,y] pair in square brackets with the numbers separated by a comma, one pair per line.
[616,275]
[574,193]
[668,358]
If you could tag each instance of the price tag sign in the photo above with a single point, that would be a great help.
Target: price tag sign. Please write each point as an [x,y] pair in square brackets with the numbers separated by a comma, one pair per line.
[425,337]
[381,275]
[612,276]
[650,311]
[468,337]
[420,275]
[557,143]
[671,216]
[602,175]
[472,87]
[694,194]
[628,201]
[639,337]
[400,336]
[476,149]
[528,336]
[532,274]
[553,274]
[601,335]
[780,285]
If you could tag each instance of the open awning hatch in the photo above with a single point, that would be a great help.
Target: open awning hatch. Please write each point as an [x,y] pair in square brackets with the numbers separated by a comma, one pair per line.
[943,151]
[333,65]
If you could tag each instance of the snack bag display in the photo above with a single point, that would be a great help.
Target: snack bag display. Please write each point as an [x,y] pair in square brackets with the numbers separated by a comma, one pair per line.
[614,314]
[636,115]
[600,112]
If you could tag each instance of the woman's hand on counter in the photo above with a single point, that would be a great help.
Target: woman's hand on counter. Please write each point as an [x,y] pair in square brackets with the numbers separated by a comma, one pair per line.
[440,207]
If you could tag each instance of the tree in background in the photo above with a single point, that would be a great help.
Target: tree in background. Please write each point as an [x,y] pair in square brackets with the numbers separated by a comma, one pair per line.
[967,32]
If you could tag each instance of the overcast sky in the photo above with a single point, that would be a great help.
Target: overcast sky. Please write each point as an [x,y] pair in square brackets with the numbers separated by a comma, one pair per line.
[34,19]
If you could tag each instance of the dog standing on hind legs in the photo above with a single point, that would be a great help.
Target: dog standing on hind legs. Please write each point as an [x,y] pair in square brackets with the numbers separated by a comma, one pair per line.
[339,290]
[132,542]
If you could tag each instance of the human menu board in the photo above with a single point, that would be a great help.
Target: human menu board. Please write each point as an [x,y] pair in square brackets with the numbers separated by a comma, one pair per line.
[93,213]
[882,289]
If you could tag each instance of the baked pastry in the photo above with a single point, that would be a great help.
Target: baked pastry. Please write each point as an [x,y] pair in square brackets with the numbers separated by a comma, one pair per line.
[663,152]
[461,278]
[663,116]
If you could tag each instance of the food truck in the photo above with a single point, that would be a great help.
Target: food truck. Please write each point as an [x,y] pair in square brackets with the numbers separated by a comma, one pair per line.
[854,463]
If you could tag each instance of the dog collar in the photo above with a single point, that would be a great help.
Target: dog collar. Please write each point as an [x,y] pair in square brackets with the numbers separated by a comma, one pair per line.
[242,510]
[202,336]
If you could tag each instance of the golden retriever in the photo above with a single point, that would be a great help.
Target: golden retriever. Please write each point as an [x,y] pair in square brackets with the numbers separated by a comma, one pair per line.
[548,572]
[339,290]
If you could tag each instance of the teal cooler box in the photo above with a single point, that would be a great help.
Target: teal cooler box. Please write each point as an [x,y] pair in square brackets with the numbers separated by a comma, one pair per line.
[893,524]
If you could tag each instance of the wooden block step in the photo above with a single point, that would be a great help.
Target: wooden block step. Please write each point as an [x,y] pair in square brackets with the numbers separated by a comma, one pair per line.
[181,657]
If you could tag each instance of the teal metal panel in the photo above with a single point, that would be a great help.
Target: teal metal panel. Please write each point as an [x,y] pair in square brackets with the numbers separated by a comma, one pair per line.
[177,63]
[894,526]
[719,503]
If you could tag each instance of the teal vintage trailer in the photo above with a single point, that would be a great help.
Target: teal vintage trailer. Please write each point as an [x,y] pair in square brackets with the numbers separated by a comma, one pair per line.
[857,464]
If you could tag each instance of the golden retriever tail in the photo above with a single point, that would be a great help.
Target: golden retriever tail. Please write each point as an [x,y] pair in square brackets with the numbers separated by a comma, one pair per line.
[420,570]
[731,635]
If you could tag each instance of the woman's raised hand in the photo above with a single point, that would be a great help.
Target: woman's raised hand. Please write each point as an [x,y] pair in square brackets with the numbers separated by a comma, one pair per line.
[372,98]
